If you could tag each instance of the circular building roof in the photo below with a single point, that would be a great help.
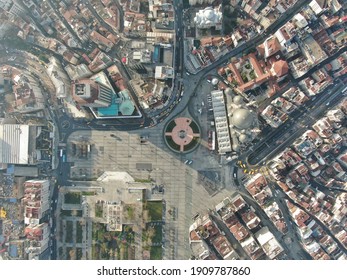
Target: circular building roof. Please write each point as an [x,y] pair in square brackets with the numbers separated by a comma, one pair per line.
[215,81]
[209,13]
[243,138]
[237,99]
[236,147]
[127,108]
[242,118]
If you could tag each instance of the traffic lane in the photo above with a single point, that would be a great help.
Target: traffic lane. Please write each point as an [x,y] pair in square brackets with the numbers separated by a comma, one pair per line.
[314,102]
[54,209]
[296,132]
[235,178]
[256,40]
[297,127]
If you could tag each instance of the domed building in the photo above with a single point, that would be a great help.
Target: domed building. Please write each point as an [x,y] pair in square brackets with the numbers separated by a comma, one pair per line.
[242,118]
[215,81]
[209,17]
[243,138]
[243,122]
[237,99]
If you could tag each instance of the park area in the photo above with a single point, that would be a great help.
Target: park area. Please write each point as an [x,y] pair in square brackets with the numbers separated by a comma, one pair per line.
[112,245]
[154,209]
[72,198]
[152,235]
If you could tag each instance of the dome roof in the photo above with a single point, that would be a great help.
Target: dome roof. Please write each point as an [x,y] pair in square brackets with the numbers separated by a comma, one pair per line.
[209,13]
[215,81]
[237,99]
[236,147]
[243,138]
[242,118]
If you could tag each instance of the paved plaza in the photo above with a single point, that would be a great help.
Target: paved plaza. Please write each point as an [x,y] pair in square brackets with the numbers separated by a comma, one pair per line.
[185,194]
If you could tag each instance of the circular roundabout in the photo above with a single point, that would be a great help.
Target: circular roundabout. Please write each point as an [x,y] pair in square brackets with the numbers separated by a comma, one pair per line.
[182,135]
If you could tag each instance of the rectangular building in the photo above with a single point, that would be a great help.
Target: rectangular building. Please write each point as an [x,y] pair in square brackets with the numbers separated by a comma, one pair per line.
[17,143]
[35,200]
[221,122]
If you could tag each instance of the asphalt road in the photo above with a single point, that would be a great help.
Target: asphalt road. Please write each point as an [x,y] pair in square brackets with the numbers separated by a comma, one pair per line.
[190,83]
[299,121]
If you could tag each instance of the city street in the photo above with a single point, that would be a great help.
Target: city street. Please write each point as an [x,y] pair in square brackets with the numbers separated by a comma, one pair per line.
[194,182]
[298,122]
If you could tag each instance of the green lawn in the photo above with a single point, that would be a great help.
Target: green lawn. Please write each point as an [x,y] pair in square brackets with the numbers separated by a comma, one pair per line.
[155,210]
[111,245]
[79,231]
[69,231]
[88,193]
[195,127]
[158,234]
[78,253]
[98,210]
[192,144]
[156,253]
[69,213]
[170,126]
[72,198]
[66,213]
[171,143]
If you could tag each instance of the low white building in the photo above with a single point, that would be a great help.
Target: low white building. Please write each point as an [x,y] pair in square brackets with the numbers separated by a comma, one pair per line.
[221,122]
[17,142]
[59,78]
[268,242]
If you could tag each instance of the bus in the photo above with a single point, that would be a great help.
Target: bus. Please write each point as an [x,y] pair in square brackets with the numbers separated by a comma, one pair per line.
[61,153]
[64,158]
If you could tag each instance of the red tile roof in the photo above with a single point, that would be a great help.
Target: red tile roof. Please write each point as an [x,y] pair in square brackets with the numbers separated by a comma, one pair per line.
[281,68]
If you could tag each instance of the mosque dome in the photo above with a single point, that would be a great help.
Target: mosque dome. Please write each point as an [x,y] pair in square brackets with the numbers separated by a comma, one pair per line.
[242,118]
[209,13]
[236,147]
[243,138]
[237,99]
[215,81]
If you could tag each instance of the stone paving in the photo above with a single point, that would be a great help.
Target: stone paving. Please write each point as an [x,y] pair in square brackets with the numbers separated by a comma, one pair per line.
[122,151]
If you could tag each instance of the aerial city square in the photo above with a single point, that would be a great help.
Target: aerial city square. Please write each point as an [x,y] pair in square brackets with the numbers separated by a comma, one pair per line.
[173,130]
